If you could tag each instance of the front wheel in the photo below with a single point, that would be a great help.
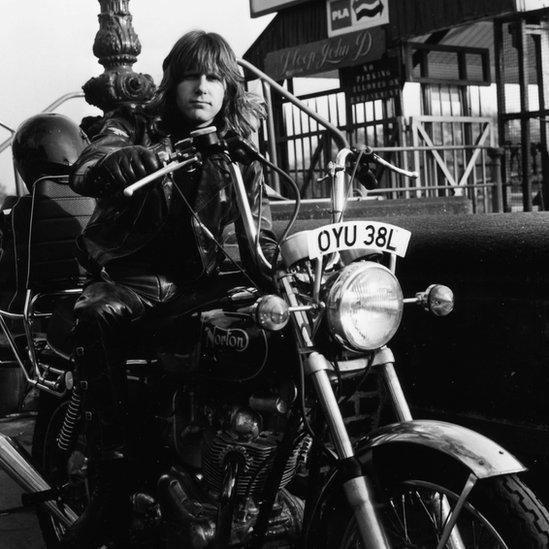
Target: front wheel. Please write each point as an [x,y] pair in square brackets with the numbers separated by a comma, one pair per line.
[500,512]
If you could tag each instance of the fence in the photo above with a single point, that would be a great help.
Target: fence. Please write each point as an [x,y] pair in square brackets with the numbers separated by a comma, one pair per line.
[476,175]
[453,156]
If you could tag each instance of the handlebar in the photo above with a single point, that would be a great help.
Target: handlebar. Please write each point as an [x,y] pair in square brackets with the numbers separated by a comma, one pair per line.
[370,156]
[378,160]
[168,168]
[337,172]
[207,140]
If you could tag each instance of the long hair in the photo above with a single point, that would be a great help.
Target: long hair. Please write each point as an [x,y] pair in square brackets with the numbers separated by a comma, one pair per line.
[207,52]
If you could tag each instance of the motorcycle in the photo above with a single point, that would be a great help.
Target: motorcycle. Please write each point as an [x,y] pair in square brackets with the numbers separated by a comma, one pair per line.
[237,403]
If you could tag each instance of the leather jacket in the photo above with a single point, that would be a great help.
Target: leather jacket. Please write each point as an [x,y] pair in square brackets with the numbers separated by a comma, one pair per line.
[121,226]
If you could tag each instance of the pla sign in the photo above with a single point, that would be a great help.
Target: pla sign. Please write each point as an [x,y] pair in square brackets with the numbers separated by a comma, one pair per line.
[352,15]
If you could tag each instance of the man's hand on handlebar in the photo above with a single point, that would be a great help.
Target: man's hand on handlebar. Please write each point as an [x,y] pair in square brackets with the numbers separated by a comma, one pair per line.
[125,166]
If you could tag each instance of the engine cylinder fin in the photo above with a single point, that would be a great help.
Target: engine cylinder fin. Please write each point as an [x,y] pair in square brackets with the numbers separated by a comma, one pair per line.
[258,456]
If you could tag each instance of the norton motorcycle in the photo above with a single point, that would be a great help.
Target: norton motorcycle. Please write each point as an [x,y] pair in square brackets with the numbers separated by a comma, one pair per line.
[237,403]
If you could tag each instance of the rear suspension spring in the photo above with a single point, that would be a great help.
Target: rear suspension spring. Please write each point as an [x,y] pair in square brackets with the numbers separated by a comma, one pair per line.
[68,431]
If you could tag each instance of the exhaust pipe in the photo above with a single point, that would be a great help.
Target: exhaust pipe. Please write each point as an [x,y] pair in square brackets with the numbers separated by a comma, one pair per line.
[188,518]
[19,468]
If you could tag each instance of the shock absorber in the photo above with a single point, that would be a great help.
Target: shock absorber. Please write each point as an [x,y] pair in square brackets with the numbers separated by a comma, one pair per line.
[67,434]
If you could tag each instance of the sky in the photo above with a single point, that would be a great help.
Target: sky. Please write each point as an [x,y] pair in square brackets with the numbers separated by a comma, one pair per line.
[46,48]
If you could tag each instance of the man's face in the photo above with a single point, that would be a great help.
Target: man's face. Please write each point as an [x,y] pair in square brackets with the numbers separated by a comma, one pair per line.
[199,97]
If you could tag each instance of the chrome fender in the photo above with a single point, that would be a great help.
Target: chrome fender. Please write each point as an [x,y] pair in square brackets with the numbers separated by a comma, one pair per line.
[482,456]
[478,453]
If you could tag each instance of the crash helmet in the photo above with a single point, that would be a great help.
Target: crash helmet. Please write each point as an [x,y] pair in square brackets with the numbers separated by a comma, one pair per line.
[46,144]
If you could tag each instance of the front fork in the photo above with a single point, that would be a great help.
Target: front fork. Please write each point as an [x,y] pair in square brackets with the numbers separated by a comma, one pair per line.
[384,360]
[357,488]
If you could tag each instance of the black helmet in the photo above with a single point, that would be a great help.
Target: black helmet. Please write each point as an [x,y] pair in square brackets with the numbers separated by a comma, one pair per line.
[46,144]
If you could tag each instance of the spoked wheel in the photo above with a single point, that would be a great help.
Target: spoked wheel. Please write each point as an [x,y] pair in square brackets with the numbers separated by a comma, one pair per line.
[419,503]
[417,514]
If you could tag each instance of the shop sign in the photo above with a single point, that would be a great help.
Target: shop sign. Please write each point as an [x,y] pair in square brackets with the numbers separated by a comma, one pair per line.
[529,5]
[352,15]
[262,7]
[375,80]
[326,55]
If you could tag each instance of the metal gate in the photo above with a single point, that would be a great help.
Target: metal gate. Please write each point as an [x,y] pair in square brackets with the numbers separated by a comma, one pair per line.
[522,72]
[454,156]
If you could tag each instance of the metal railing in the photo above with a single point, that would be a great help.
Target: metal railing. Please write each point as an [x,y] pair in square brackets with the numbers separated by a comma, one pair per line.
[476,175]
[452,155]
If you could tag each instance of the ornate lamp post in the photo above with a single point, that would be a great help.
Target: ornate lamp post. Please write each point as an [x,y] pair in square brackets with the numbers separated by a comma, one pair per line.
[117,47]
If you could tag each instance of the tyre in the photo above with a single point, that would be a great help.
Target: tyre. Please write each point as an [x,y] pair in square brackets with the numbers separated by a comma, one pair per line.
[418,496]
[59,468]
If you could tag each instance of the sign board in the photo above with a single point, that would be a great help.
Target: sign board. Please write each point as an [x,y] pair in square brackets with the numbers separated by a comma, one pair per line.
[352,15]
[529,5]
[333,53]
[371,81]
[262,7]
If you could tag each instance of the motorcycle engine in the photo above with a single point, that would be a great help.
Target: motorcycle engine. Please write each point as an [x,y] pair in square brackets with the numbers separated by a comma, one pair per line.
[257,449]
[219,434]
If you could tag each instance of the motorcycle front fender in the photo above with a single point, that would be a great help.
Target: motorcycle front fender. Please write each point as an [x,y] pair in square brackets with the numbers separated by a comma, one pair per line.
[480,455]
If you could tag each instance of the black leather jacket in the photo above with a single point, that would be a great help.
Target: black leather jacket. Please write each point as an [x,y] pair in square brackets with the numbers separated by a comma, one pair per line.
[121,226]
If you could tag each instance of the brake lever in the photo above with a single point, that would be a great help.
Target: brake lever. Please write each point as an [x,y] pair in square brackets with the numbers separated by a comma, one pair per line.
[378,160]
[168,168]
[369,155]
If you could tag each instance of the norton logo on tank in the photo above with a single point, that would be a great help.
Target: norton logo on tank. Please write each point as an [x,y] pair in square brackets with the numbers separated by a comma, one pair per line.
[231,339]
[352,15]
[233,346]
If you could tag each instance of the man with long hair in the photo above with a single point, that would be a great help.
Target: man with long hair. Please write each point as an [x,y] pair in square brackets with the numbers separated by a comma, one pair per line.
[148,252]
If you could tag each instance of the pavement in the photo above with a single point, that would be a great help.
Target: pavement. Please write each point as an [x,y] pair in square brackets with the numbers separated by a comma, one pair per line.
[18,530]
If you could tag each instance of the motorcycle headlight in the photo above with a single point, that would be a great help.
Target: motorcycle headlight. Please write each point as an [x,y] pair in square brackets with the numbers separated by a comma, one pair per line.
[364,306]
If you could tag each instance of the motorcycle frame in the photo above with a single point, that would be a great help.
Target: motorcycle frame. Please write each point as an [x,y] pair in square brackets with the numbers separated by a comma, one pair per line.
[42,376]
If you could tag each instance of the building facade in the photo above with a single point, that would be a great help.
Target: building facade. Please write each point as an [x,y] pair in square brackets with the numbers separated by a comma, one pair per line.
[457,91]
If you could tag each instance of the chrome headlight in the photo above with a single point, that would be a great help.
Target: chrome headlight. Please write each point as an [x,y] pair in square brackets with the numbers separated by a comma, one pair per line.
[364,306]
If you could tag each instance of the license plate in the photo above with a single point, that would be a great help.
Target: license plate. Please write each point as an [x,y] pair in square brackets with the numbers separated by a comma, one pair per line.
[354,235]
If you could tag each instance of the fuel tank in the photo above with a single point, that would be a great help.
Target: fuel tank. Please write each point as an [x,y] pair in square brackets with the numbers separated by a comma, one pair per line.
[232,346]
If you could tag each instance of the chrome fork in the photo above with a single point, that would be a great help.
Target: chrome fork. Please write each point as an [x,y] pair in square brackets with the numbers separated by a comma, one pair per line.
[357,489]
[384,359]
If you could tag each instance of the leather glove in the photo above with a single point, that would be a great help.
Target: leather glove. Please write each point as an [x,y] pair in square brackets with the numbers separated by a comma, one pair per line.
[125,166]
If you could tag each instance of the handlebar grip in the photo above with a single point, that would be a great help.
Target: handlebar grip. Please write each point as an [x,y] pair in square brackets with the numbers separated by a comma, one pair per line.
[168,168]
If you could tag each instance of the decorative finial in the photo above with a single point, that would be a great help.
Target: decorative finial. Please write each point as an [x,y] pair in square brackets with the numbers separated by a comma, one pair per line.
[117,46]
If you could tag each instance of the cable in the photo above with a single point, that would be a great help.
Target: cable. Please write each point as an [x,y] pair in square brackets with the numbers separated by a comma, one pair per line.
[259,214]
[295,213]
[350,185]
[211,236]
[327,452]
[357,387]
[339,379]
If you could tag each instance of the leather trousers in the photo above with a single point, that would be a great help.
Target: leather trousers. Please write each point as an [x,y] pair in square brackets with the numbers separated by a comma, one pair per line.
[108,313]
